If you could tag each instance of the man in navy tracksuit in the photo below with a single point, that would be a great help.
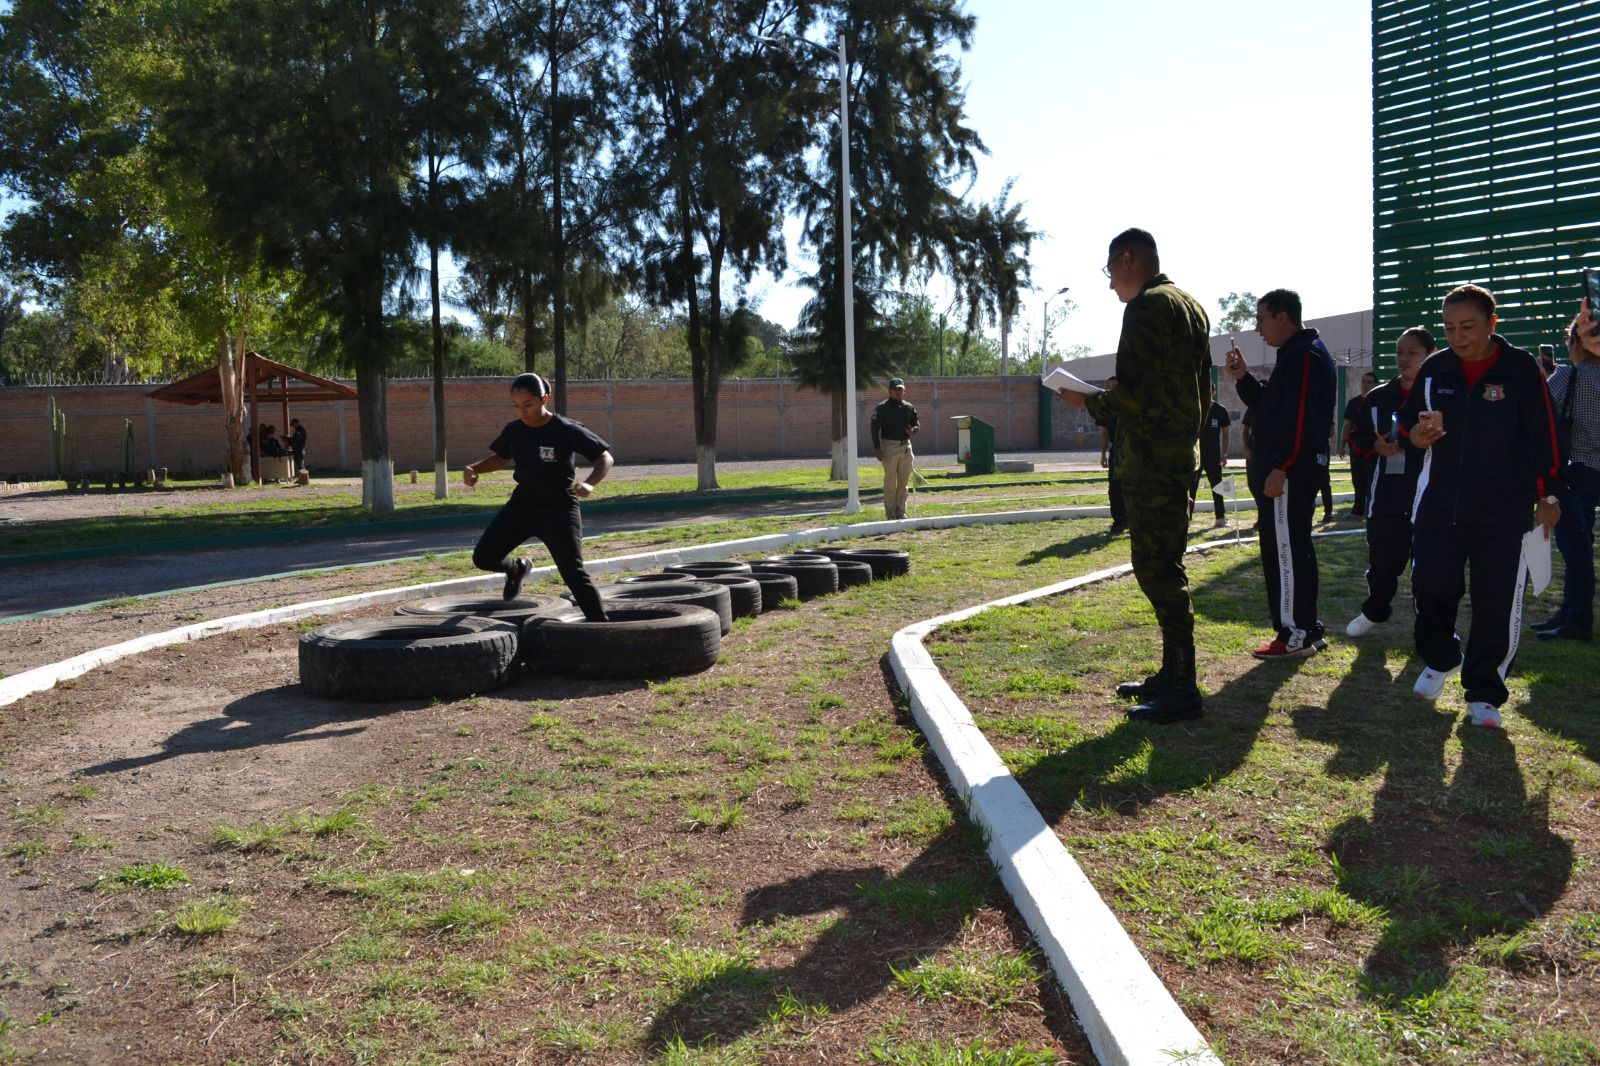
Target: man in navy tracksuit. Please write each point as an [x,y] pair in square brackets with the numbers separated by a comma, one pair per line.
[1492,466]
[1288,466]
[1392,482]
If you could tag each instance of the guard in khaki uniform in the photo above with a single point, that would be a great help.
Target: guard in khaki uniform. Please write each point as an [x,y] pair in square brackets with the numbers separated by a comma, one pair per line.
[1162,392]
[894,423]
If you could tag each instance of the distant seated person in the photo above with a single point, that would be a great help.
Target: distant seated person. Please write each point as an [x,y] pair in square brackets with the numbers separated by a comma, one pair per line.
[270,444]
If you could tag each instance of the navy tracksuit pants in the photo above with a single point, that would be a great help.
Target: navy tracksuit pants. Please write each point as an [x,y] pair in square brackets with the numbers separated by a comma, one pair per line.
[1388,552]
[1289,556]
[1441,558]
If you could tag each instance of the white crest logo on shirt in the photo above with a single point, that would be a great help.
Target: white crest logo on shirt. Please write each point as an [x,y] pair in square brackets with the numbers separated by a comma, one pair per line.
[547,454]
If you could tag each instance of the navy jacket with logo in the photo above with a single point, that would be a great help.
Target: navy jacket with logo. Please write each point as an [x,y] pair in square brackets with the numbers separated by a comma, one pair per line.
[1394,477]
[1292,412]
[1499,453]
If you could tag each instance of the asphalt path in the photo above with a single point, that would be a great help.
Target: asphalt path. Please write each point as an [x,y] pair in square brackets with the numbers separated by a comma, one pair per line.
[52,587]
[30,590]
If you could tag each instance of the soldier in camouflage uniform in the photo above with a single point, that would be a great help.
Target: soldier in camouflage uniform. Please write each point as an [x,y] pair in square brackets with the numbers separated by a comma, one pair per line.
[1163,390]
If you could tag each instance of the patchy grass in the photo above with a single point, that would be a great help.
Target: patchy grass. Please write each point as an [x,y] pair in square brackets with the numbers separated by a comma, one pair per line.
[1324,868]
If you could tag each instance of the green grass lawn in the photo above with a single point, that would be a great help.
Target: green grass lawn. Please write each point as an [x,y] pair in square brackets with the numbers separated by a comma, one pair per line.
[1324,869]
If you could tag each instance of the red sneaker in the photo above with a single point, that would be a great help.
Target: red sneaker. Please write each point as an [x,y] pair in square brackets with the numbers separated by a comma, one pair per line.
[1277,648]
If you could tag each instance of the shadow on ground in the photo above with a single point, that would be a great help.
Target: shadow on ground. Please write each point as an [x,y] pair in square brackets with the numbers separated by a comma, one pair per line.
[1450,858]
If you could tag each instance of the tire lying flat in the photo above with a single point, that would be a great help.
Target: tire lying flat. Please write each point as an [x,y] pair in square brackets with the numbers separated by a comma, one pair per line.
[709,569]
[775,588]
[744,592]
[816,577]
[853,572]
[715,598]
[408,658]
[643,639]
[885,562]
[526,612]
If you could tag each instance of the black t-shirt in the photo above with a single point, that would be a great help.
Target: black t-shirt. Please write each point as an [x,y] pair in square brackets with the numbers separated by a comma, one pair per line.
[1352,410]
[1211,431]
[543,457]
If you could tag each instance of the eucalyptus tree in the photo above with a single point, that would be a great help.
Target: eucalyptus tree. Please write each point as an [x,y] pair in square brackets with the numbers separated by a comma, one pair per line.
[559,184]
[722,122]
[452,117]
[299,119]
[910,148]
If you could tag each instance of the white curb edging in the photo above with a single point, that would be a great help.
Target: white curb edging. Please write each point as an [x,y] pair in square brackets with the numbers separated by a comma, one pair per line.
[38,679]
[1127,1013]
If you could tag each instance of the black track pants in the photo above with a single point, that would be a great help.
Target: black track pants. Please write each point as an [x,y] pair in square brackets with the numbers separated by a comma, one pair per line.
[561,530]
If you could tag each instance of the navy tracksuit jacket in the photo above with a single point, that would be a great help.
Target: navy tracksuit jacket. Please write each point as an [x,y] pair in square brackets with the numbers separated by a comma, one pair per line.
[1474,501]
[1292,413]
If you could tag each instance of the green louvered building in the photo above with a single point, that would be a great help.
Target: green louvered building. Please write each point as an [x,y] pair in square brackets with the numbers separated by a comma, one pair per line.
[1486,160]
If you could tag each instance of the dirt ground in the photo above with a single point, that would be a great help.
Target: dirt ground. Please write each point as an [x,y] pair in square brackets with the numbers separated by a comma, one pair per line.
[155,751]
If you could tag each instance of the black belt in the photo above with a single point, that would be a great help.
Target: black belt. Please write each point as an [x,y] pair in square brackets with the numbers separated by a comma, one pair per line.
[901,439]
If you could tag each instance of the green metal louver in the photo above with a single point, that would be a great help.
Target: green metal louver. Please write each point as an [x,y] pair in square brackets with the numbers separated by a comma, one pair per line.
[1486,160]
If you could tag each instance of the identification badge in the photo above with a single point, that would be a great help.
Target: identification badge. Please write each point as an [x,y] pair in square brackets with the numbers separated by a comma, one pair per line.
[547,454]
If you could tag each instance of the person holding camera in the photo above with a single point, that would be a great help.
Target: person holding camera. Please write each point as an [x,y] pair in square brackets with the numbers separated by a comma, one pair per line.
[1482,415]
[1288,467]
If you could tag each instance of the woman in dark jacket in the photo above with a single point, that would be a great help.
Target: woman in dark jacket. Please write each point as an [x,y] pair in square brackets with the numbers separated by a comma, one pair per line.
[1482,415]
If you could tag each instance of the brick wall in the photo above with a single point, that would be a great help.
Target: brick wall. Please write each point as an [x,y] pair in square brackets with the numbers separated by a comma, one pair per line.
[645,421]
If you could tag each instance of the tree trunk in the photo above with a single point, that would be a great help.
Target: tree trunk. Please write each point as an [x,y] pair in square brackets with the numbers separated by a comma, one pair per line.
[441,466]
[1005,345]
[377,468]
[526,287]
[232,409]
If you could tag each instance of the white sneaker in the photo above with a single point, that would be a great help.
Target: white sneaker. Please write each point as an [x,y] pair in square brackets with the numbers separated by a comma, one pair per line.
[1359,626]
[1431,682]
[1486,715]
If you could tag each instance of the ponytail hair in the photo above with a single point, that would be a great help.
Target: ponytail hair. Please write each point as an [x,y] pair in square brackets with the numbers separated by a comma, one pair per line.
[532,384]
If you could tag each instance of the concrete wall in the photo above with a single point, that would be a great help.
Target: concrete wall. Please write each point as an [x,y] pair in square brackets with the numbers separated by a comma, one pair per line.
[645,421]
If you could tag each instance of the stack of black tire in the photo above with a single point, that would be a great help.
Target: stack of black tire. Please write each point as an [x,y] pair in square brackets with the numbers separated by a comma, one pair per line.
[657,625]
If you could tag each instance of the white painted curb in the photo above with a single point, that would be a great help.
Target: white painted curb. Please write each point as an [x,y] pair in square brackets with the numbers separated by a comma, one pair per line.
[40,678]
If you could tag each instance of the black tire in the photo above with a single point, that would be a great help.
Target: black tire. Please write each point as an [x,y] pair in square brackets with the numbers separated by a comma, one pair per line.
[525,612]
[744,592]
[637,640]
[853,572]
[775,588]
[885,562]
[711,569]
[640,579]
[816,578]
[714,598]
[826,553]
[403,658]
[806,558]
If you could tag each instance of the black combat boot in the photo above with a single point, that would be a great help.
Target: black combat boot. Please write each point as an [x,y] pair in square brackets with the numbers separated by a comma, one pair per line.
[1178,699]
[1150,686]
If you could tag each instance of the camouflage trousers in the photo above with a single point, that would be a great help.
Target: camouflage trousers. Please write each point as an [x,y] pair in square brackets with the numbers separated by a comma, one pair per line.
[1158,531]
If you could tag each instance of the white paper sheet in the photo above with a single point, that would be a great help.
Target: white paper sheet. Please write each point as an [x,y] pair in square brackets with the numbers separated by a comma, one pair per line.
[1062,379]
[1536,553]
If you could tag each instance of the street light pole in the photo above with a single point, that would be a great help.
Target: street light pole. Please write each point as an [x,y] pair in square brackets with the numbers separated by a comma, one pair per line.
[852,502]
[1044,331]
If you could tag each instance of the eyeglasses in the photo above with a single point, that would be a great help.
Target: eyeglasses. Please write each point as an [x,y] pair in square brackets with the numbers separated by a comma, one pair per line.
[1106,270]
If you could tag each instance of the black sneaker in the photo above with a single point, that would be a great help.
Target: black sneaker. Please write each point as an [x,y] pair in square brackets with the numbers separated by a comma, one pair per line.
[1116,529]
[1555,621]
[1141,690]
[1169,706]
[518,570]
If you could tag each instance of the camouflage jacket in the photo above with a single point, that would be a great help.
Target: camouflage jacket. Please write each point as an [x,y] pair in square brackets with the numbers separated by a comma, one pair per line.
[1163,381]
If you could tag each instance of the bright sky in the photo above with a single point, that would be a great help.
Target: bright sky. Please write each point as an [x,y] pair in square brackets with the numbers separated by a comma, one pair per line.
[1238,132]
